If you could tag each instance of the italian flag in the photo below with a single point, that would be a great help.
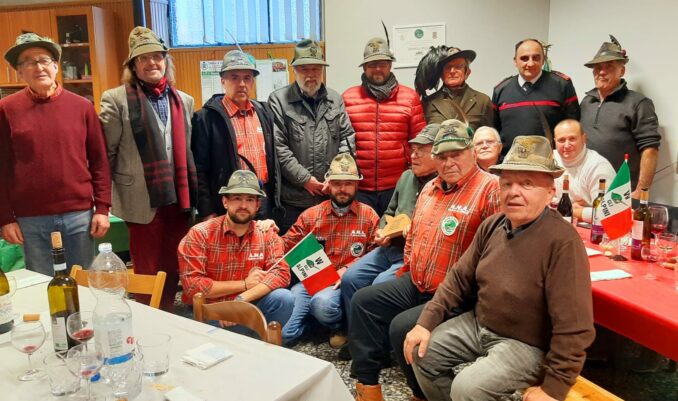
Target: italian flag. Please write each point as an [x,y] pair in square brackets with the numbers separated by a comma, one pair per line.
[311,265]
[616,205]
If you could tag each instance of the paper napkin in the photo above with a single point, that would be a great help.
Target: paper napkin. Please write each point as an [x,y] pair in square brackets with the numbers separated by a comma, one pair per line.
[206,355]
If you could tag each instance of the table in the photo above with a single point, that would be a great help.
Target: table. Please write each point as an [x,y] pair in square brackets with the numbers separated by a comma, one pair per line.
[257,371]
[645,311]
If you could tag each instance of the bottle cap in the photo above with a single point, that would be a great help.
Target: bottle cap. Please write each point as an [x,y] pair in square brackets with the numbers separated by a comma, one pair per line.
[56,240]
[105,247]
[31,317]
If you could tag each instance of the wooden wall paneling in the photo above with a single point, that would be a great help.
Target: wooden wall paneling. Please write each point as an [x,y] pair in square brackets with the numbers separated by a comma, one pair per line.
[6,71]
[109,71]
[187,68]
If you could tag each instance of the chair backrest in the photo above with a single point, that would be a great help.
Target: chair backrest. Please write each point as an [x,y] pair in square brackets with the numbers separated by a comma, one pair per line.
[239,312]
[138,283]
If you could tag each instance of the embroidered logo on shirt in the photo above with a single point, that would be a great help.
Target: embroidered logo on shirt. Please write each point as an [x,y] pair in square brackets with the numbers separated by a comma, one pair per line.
[358,233]
[459,208]
[256,256]
[357,249]
[449,225]
[259,130]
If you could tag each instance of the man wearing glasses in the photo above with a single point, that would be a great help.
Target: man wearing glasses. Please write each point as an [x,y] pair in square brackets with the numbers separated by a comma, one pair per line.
[486,147]
[51,145]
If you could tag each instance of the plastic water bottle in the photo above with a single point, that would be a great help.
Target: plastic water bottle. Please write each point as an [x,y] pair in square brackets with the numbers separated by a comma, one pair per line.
[113,322]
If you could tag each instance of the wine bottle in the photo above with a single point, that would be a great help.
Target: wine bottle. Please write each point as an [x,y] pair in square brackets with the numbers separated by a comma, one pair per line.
[596,224]
[62,294]
[565,205]
[641,231]
[6,313]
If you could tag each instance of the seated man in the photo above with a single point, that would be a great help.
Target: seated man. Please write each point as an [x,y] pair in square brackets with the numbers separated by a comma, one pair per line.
[486,147]
[228,258]
[528,274]
[583,165]
[346,229]
[447,214]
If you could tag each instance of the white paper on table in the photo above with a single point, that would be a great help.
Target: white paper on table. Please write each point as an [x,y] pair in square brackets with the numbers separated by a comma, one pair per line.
[592,252]
[26,278]
[46,324]
[180,394]
[206,355]
[614,274]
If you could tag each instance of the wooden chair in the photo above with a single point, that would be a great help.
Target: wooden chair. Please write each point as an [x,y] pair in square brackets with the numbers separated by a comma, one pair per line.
[138,283]
[584,390]
[239,312]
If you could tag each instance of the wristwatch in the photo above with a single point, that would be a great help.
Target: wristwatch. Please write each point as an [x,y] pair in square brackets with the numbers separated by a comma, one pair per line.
[239,298]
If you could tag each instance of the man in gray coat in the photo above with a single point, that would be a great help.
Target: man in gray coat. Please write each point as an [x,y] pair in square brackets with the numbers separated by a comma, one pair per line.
[311,127]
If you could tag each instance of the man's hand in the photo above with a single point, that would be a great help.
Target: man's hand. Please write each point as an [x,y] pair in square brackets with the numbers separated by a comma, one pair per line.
[636,193]
[340,272]
[578,209]
[265,225]
[536,394]
[254,277]
[417,336]
[12,233]
[99,226]
[406,230]
[314,187]
[381,241]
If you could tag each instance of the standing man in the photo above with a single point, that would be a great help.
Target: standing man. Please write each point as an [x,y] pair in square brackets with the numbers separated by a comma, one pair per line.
[346,228]
[147,123]
[50,143]
[448,211]
[618,120]
[228,258]
[518,100]
[233,132]
[456,95]
[311,127]
[384,115]
[527,275]
[486,147]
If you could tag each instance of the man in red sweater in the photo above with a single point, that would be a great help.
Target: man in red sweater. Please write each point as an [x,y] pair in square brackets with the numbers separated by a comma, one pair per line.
[385,115]
[51,148]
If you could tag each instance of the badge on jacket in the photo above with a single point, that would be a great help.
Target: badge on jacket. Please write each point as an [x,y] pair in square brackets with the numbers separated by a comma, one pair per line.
[449,225]
[357,249]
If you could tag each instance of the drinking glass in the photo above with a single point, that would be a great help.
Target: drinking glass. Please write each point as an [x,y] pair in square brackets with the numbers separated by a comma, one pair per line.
[649,255]
[85,362]
[666,242]
[660,219]
[28,337]
[79,326]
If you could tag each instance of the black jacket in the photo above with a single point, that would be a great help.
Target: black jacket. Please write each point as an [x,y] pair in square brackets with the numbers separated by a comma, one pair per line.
[215,152]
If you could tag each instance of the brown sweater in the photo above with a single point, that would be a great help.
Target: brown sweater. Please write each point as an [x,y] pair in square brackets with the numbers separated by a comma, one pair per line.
[534,287]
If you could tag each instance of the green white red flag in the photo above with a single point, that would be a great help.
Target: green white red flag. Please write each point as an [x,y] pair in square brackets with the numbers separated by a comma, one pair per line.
[616,205]
[311,265]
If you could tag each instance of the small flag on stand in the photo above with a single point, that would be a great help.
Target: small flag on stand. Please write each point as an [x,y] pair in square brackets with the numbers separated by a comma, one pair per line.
[616,205]
[311,265]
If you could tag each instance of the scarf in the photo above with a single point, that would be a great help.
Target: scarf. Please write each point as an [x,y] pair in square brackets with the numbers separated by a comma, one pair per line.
[383,91]
[165,185]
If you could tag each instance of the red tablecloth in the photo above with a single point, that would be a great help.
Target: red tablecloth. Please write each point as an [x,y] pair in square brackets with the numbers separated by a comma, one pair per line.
[646,311]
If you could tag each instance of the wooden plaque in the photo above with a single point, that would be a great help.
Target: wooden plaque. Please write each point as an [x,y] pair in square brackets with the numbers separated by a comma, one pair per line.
[395,225]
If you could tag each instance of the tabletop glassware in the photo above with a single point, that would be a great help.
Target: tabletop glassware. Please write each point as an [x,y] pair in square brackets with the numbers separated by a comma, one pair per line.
[80,326]
[660,219]
[650,256]
[666,242]
[28,337]
[85,362]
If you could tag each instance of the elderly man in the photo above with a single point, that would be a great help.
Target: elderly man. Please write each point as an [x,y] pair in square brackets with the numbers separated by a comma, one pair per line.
[54,174]
[585,167]
[486,147]
[311,127]
[447,213]
[346,227]
[531,327]
[147,123]
[518,100]
[228,258]
[456,95]
[233,132]
[384,115]
[618,120]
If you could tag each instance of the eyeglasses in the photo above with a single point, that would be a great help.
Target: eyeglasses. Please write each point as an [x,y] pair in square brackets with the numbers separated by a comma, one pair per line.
[147,58]
[486,142]
[33,63]
[382,64]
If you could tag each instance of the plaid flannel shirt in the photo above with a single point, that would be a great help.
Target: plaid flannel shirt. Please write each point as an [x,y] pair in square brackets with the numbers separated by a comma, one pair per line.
[211,251]
[444,223]
[250,137]
[346,237]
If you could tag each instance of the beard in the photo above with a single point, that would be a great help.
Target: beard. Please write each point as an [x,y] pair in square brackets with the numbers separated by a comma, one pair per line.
[233,216]
[348,199]
[308,87]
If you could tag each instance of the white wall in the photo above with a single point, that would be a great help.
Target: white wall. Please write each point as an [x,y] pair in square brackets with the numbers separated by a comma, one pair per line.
[648,31]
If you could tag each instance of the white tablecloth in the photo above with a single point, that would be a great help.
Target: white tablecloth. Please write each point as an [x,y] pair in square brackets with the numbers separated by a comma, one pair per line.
[257,370]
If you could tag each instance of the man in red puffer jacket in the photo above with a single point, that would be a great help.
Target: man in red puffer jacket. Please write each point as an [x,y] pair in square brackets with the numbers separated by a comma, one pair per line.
[385,115]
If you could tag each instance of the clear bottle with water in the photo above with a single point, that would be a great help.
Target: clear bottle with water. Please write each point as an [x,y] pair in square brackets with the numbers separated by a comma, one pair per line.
[113,322]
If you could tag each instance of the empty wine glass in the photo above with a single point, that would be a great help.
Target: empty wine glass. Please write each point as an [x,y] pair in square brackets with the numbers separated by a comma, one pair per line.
[85,362]
[79,326]
[666,242]
[649,255]
[660,219]
[28,337]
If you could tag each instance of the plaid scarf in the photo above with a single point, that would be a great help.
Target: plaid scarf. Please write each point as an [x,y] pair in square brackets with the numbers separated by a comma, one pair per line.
[165,186]
[383,91]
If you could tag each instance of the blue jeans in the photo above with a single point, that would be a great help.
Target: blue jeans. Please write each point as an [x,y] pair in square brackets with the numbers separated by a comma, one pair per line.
[74,228]
[378,266]
[325,306]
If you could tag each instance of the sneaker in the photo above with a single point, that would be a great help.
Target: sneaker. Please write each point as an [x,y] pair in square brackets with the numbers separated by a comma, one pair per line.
[338,340]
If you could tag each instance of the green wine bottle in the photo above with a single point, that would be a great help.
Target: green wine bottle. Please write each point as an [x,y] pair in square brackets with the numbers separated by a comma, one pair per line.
[62,294]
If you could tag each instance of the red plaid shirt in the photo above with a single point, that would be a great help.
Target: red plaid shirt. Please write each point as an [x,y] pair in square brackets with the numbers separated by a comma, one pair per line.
[444,223]
[211,251]
[346,237]
[250,137]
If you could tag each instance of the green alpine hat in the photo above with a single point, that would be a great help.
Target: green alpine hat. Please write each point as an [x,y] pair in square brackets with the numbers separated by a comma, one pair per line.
[141,41]
[308,51]
[377,49]
[452,135]
[427,135]
[530,153]
[243,182]
[28,40]
[239,60]
[609,51]
[455,52]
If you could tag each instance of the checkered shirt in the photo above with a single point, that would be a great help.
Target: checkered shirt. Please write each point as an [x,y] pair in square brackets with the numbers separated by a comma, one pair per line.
[161,105]
[444,223]
[250,137]
[346,237]
[211,251]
